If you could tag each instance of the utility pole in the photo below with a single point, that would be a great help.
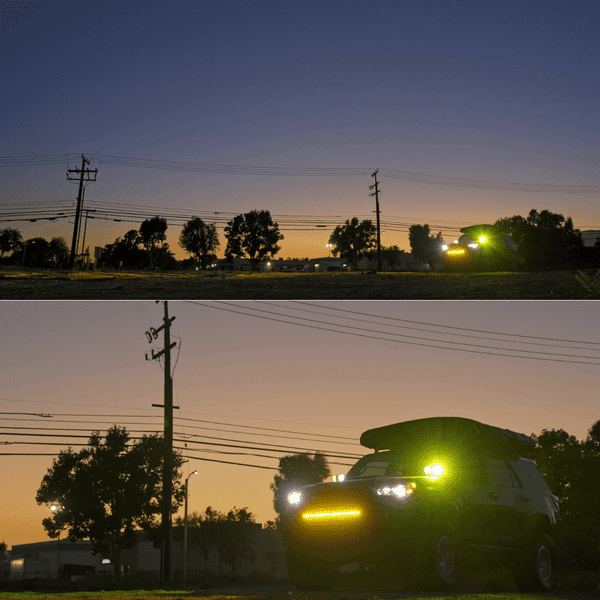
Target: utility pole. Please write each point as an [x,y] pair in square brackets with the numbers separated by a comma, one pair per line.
[81,173]
[152,334]
[376,194]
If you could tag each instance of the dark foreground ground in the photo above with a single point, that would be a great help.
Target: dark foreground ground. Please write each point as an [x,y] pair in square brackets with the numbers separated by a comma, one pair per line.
[118,285]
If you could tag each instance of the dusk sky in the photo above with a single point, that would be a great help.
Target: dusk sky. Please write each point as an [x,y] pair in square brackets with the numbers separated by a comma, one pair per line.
[488,91]
[240,372]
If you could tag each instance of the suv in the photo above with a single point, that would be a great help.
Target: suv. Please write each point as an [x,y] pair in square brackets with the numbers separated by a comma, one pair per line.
[481,248]
[435,493]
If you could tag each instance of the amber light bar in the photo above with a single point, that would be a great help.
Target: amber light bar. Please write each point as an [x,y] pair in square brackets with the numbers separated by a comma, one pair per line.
[461,251]
[347,513]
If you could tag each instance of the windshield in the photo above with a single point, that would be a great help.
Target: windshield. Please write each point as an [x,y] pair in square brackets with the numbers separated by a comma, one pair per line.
[380,464]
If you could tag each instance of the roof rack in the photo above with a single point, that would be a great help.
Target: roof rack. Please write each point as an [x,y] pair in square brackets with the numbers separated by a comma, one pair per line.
[450,432]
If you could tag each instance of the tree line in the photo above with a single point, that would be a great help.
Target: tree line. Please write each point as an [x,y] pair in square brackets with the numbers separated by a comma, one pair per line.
[545,240]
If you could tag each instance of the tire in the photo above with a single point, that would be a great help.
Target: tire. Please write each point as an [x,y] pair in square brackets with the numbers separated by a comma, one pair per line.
[310,575]
[536,572]
[435,565]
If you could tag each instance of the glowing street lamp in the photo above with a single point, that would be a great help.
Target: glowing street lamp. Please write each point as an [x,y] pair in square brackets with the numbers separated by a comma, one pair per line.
[185,527]
[54,508]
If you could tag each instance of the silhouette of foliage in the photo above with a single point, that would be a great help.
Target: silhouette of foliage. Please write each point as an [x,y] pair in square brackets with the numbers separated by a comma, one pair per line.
[153,234]
[200,240]
[423,245]
[252,235]
[221,539]
[10,240]
[107,490]
[353,240]
[545,240]
[125,252]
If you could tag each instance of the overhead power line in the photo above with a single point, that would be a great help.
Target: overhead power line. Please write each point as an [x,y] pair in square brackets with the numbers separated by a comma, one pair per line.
[374,334]
[443,180]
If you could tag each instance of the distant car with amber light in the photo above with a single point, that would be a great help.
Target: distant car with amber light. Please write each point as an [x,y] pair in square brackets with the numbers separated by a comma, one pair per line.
[481,248]
[434,493]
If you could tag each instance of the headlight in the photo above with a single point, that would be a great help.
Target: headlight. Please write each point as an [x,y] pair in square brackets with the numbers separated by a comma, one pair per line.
[339,478]
[473,245]
[294,498]
[398,491]
[482,239]
[444,247]
[434,471]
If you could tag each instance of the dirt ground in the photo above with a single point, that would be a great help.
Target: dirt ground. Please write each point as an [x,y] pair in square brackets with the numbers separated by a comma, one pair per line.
[118,285]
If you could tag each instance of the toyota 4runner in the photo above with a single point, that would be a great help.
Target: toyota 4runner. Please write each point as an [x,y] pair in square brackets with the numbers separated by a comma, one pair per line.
[434,493]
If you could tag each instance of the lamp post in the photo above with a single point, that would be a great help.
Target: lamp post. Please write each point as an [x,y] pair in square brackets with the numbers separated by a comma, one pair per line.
[185,534]
[329,247]
[54,508]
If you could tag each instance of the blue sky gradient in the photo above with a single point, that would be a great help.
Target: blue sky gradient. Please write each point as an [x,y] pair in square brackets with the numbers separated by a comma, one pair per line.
[503,91]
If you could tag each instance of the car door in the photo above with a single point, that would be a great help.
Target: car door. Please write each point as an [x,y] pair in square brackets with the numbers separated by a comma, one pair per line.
[501,514]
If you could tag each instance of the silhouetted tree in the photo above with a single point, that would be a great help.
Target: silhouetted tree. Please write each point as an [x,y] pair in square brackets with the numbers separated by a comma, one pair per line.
[545,240]
[223,538]
[108,490]
[353,240]
[425,246]
[252,235]
[391,255]
[10,240]
[58,252]
[200,240]
[3,546]
[34,253]
[153,234]
[296,470]
[126,251]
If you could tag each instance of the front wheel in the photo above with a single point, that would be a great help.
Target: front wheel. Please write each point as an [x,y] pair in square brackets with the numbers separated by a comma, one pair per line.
[310,575]
[435,564]
[536,572]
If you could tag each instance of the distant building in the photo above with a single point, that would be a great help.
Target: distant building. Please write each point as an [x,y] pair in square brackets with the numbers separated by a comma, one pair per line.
[52,559]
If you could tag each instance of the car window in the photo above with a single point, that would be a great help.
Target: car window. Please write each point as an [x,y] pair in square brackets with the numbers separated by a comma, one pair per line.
[372,465]
[529,475]
[498,472]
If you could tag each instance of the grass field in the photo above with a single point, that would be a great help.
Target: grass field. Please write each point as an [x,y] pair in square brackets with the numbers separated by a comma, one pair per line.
[120,285]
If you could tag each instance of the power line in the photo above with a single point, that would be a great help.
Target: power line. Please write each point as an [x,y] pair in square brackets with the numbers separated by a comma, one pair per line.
[446,326]
[371,335]
[443,180]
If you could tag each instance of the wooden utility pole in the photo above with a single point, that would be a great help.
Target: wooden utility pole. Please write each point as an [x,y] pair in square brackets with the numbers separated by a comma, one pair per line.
[376,194]
[81,173]
[165,554]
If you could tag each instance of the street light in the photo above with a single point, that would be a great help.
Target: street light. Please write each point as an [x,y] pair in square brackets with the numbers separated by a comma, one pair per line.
[330,246]
[54,508]
[185,528]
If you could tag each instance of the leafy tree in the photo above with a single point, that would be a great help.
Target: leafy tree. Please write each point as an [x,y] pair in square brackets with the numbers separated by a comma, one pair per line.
[252,235]
[391,255]
[153,234]
[10,240]
[546,240]
[35,251]
[3,546]
[125,251]
[223,538]
[423,245]
[200,240]
[58,252]
[353,240]
[296,470]
[107,490]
